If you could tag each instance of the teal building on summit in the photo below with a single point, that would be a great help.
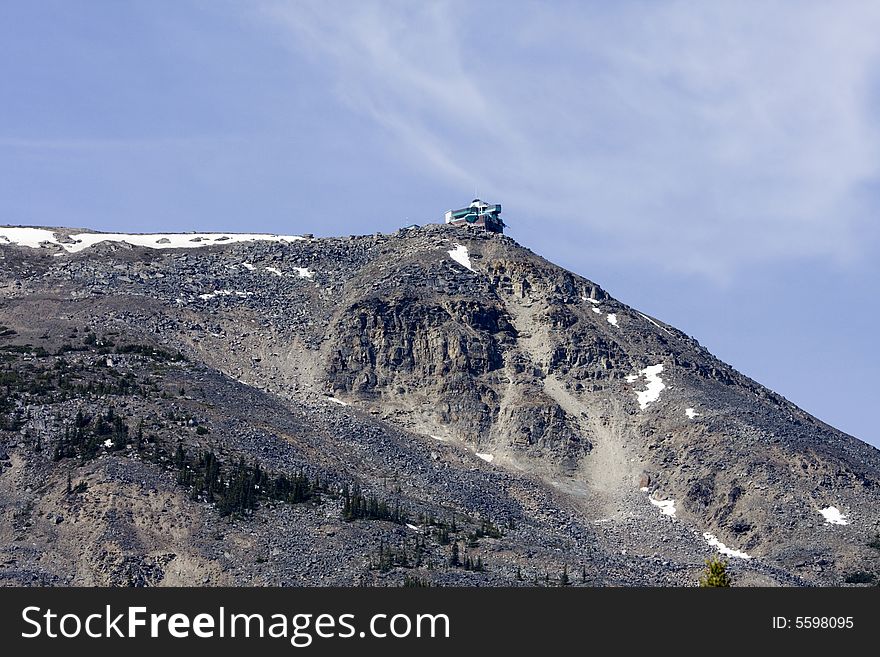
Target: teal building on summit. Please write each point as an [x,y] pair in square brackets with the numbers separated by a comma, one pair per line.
[478,214]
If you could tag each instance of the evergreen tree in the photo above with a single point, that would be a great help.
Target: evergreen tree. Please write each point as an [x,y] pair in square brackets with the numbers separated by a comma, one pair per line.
[715,574]
[61,447]
[563,579]
[356,506]
[411,581]
[454,559]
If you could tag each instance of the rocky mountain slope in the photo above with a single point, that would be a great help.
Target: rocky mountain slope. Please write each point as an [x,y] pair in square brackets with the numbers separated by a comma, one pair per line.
[244,409]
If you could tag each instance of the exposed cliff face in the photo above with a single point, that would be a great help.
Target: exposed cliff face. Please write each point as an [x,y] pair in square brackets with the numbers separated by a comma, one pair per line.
[457,361]
[597,420]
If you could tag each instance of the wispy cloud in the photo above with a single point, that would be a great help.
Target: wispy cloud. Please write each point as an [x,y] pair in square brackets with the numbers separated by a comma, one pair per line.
[701,137]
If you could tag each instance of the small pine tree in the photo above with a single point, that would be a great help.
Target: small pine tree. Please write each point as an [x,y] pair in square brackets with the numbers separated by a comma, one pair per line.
[454,559]
[563,579]
[716,574]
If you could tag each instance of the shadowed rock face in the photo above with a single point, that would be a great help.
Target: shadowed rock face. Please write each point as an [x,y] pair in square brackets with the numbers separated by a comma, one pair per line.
[515,393]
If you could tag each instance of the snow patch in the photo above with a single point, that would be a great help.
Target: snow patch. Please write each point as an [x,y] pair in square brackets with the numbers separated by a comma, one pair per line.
[488,458]
[612,319]
[667,507]
[440,438]
[274,270]
[35,237]
[833,516]
[654,387]
[108,443]
[248,266]
[337,401]
[224,293]
[713,541]
[590,300]
[656,324]
[413,527]
[304,272]
[596,310]
[32,237]
[461,256]
[691,413]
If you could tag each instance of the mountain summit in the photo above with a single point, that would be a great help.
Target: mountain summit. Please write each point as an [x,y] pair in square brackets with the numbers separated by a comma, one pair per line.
[437,405]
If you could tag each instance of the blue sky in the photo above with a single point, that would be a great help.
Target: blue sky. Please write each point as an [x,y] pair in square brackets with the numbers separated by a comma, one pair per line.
[716,165]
